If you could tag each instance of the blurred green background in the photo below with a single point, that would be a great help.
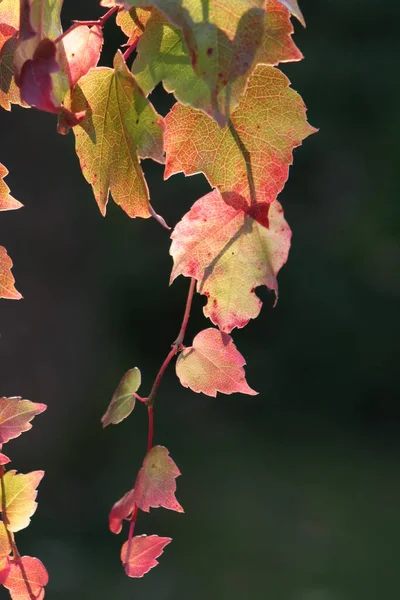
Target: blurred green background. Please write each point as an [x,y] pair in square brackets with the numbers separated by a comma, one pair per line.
[293,494]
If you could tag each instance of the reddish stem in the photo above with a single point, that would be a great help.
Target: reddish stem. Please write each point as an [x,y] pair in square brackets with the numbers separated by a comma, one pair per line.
[130,49]
[151,428]
[100,22]
[139,398]
[176,346]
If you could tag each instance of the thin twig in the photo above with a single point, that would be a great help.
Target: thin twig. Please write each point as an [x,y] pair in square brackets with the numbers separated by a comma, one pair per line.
[99,22]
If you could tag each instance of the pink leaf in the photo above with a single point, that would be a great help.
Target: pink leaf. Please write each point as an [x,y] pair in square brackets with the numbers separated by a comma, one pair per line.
[7,202]
[155,484]
[213,364]
[5,566]
[143,552]
[82,47]
[35,80]
[7,281]
[4,460]
[15,417]
[26,582]
[120,511]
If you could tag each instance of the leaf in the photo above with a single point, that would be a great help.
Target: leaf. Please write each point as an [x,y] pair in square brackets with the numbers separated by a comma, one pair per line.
[123,400]
[120,511]
[120,128]
[81,51]
[20,495]
[144,551]
[222,39]
[5,547]
[5,566]
[294,8]
[34,574]
[133,22]
[9,25]
[15,417]
[7,202]
[248,161]
[155,484]
[4,460]
[277,45]
[230,253]
[213,364]
[7,288]
[37,88]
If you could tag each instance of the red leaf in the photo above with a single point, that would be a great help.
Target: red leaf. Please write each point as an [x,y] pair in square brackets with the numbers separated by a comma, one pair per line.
[7,202]
[15,417]
[5,566]
[213,364]
[7,288]
[82,47]
[155,484]
[35,79]
[28,581]
[143,552]
[4,460]
[120,511]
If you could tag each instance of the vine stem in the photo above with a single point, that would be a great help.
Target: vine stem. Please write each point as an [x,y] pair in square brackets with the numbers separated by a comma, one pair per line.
[176,347]
[10,536]
[100,22]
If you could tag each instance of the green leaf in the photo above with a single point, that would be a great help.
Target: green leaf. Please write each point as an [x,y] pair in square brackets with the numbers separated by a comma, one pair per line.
[123,400]
[120,128]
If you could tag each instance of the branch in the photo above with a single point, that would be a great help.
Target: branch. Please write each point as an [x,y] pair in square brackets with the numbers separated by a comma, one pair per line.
[100,22]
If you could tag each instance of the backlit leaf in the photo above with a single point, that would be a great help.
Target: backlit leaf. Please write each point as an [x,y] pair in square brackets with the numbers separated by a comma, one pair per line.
[7,288]
[29,582]
[294,8]
[120,511]
[9,25]
[133,22]
[7,202]
[5,547]
[155,484]
[277,46]
[4,460]
[81,51]
[120,128]
[123,400]
[230,254]
[5,566]
[249,161]
[15,417]
[143,552]
[213,364]
[20,495]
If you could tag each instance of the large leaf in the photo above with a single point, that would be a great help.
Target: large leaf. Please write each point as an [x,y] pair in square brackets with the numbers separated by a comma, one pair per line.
[123,400]
[120,128]
[143,552]
[16,415]
[230,254]
[27,582]
[81,51]
[222,37]
[7,281]
[155,484]
[162,55]
[213,364]
[249,160]
[7,202]
[20,495]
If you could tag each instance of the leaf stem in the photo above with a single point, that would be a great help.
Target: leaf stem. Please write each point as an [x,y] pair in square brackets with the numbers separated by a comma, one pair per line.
[176,346]
[151,428]
[130,49]
[10,536]
[100,22]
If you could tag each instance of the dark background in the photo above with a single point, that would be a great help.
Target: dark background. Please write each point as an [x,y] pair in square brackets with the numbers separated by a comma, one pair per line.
[293,494]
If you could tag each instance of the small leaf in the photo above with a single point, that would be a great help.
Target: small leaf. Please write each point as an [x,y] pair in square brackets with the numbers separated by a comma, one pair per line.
[20,496]
[15,416]
[7,202]
[123,400]
[155,484]
[7,288]
[120,511]
[5,547]
[81,51]
[230,253]
[144,550]
[9,25]
[27,583]
[133,22]
[213,364]
[121,127]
